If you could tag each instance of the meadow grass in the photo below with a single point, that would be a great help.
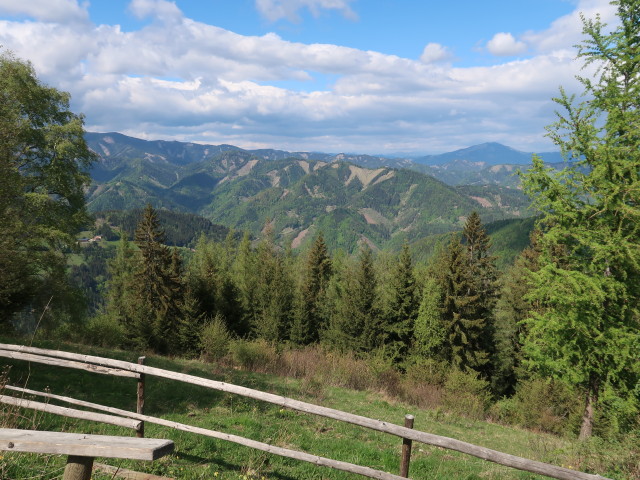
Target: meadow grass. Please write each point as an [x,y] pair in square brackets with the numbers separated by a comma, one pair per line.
[198,457]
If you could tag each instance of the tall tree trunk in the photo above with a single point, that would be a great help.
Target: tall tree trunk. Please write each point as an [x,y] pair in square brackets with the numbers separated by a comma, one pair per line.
[587,417]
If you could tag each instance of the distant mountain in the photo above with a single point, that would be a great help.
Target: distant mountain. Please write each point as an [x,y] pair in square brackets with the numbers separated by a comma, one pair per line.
[486,155]
[242,189]
[485,164]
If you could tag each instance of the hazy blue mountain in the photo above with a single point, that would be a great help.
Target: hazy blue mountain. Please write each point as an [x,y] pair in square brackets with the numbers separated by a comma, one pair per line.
[485,155]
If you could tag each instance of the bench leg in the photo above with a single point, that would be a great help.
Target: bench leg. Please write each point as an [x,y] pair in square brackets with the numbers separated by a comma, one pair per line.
[78,468]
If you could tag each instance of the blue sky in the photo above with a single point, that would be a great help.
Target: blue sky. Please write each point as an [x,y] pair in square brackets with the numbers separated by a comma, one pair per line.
[368,76]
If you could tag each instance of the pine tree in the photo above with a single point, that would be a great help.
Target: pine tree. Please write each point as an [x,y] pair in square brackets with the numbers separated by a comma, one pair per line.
[120,286]
[484,273]
[585,332]
[403,309]
[157,287]
[429,329]
[274,293]
[310,317]
[512,308]
[461,304]
[355,326]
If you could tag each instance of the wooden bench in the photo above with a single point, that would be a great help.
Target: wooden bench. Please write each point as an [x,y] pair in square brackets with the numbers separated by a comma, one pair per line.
[81,449]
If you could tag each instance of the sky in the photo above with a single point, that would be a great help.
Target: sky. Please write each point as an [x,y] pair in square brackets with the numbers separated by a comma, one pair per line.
[388,77]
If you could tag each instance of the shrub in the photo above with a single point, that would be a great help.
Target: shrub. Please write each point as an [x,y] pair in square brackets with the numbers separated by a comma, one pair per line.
[466,394]
[256,355]
[104,331]
[215,340]
[546,405]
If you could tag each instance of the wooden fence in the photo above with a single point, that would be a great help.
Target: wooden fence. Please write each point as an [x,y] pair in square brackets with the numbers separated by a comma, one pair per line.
[108,366]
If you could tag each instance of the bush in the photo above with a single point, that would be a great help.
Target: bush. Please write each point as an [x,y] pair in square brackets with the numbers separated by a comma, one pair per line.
[546,405]
[104,331]
[466,394]
[215,340]
[256,355]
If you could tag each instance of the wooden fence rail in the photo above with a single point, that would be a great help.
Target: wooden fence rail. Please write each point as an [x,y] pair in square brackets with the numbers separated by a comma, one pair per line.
[520,463]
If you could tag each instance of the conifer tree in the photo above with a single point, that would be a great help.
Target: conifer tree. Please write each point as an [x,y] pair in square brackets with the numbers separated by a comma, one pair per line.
[245,276]
[274,293]
[355,326]
[484,274]
[310,317]
[403,309]
[461,300]
[157,287]
[429,330]
[588,284]
[512,308]
[120,301]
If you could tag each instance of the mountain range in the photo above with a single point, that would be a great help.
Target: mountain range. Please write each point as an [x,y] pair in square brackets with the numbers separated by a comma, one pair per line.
[350,198]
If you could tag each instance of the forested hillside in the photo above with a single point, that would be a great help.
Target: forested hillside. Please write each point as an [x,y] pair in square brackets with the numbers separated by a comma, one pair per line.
[386,266]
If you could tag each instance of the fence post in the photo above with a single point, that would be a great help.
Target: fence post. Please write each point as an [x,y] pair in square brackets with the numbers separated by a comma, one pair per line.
[406,449]
[140,402]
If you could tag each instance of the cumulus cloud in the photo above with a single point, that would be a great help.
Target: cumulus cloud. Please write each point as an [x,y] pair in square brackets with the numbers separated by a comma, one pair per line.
[505,45]
[60,11]
[435,53]
[158,9]
[182,79]
[276,9]
[566,31]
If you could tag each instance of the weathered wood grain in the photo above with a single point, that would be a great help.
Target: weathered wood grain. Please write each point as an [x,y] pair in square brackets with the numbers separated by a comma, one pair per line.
[488,454]
[117,472]
[60,362]
[35,441]
[70,412]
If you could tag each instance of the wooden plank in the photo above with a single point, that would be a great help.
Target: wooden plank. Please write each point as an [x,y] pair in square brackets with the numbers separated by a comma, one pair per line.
[488,454]
[70,412]
[34,441]
[109,362]
[283,452]
[118,472]
[59,362]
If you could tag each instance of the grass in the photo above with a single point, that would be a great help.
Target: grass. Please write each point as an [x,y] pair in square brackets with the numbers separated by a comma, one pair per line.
[198,457]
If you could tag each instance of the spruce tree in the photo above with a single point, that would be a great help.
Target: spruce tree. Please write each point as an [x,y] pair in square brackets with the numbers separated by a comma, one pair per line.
[157,287]
[464,325]
[585,332]
[429,333]
[484,274]
[274,293]
[310,318]
[355,326]
[403,309]
[120,301]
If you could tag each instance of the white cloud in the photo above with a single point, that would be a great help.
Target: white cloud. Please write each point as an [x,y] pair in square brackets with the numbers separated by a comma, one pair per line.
[566,31]
[183,79]
[158,9]
[435,53]
[504,45]
[60,11]
[276,9]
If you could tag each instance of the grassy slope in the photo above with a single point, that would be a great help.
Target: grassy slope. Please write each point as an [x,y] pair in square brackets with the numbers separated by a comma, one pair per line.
[198,457]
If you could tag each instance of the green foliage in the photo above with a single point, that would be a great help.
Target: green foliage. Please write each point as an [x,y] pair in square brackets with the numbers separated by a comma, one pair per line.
[542,404]
[465,394]
[43,173]
[588,285]
[252,355]
[312,314]
[215,339]
[181,229]
[429,329]
[402,311]
[104,331]
[355,324]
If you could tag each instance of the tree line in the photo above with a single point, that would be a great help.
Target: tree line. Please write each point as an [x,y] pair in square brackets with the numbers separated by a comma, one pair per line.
[568,310]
